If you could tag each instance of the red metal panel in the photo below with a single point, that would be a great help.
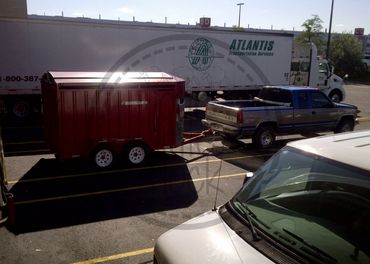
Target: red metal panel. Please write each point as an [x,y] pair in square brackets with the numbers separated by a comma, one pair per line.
[166,117]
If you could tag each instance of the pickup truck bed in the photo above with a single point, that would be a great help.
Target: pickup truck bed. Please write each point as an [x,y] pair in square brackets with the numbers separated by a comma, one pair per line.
[279,110]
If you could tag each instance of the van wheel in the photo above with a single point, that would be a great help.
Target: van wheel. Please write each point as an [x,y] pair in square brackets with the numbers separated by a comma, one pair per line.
[136,153]
[264,137]
[103,157]
[345,125]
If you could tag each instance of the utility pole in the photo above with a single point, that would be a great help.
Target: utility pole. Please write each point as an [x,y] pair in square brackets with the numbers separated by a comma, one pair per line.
[240,9]
[329,34]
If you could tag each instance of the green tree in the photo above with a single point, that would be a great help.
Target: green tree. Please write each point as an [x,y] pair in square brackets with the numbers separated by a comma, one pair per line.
[345,54]
[238,29]
[312,33]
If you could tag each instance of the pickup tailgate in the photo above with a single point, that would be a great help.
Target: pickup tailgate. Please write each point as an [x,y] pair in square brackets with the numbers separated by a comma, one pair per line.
[222,113]
[223,118]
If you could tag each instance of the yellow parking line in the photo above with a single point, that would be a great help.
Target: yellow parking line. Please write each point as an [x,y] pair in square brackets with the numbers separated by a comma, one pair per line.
[363,119]
[131,169]
[127,189]
[118,256]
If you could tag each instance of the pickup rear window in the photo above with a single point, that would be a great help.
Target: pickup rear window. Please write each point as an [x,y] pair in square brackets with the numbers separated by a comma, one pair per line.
[275,94]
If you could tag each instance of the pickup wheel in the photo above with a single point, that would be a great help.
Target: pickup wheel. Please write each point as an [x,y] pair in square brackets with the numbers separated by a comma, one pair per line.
[345,125]
[264,137]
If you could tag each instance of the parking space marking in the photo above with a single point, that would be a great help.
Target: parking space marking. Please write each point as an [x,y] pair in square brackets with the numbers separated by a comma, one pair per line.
[363,119]
[116,257]
[133,169]
[141,187]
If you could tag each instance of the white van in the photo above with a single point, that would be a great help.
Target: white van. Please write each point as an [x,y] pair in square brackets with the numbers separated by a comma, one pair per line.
[310,203]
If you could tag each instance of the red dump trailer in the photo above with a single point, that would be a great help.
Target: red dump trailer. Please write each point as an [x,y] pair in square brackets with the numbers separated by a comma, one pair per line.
[87,115]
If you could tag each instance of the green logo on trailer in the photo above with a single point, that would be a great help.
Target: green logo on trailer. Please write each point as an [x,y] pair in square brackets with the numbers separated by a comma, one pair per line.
[201,54]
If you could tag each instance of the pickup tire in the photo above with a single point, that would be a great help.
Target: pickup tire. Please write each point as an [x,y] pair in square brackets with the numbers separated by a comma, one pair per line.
[345,125]
[264,137]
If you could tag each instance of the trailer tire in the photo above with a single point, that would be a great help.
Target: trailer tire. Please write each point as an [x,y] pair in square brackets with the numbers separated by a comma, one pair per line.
[103,157]
[264,137]
[136,153]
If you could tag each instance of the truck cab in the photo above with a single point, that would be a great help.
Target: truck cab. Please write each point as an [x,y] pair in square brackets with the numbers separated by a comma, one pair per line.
[309,70]
[330,83]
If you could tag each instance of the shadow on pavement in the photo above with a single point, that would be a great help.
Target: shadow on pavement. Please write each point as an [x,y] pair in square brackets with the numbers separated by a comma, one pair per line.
[56,194]
[246,155]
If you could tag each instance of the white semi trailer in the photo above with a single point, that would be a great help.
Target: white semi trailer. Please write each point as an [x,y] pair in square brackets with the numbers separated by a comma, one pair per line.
[211,60]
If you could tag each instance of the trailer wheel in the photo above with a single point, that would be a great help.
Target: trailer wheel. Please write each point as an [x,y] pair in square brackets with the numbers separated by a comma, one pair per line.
[136,153]
[103,157]
[264,137]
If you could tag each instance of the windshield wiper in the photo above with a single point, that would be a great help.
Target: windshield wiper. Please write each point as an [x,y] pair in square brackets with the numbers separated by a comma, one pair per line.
[246,211]
[315,251]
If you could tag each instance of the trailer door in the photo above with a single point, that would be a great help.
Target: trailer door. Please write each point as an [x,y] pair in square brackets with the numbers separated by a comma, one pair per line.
[165,118]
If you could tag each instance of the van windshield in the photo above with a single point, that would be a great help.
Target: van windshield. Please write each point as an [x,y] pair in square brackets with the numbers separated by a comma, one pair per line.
[317,207]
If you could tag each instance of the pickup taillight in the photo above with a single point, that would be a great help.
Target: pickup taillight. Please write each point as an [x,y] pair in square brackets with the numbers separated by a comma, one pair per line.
[239,117]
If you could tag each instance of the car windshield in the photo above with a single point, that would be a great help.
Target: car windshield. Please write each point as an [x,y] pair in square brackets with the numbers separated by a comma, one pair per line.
[317,207]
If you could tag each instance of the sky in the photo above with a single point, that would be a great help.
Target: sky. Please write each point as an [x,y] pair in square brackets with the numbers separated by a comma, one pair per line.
[267,14]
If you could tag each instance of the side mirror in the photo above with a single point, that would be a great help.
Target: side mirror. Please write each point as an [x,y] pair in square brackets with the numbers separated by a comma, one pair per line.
[248,175]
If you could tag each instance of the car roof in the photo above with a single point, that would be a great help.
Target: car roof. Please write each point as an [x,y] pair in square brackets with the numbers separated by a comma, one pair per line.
[351,148]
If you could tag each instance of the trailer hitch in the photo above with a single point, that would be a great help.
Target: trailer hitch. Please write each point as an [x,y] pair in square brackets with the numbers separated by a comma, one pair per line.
[190,137]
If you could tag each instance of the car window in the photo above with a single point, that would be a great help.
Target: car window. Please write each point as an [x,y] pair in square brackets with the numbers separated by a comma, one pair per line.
[310,204]
[323,68]
[303,101]
[277,95]
[319,100]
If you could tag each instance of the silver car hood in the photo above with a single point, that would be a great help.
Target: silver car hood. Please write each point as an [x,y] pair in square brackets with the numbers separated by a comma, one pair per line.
[205,239]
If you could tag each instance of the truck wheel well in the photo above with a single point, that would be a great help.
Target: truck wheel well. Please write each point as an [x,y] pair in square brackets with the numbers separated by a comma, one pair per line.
[273,125]
[345,118]
[345,124]
[264,136]
[338,92]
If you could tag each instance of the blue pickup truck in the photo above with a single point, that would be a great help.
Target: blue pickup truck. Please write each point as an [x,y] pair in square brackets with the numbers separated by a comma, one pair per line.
[279,110]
